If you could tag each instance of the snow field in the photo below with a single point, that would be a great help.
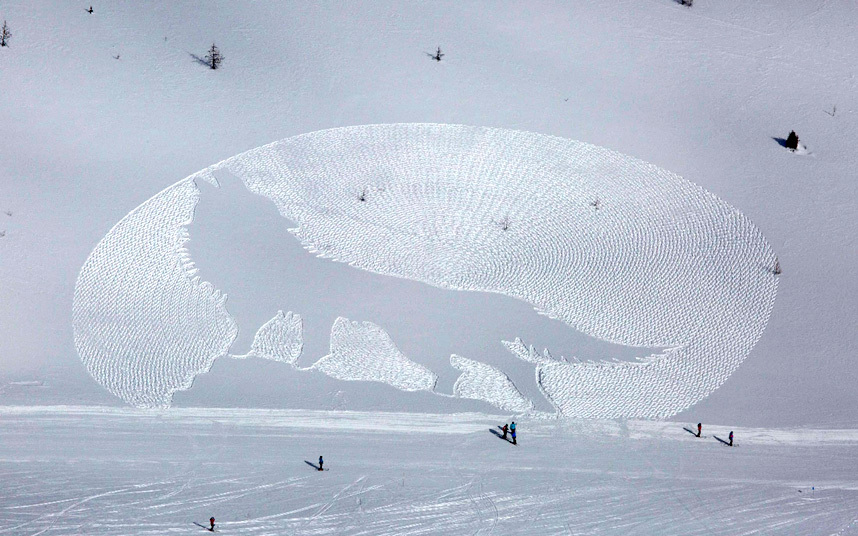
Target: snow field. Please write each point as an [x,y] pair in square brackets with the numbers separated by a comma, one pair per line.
[100,471]
[610,245]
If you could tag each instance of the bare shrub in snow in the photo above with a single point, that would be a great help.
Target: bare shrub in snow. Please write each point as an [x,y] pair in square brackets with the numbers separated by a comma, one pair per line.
[214,58]
[5,34]
[437,56]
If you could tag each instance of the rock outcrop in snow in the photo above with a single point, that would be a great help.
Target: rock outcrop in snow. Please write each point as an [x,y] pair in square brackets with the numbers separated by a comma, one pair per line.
[362,351]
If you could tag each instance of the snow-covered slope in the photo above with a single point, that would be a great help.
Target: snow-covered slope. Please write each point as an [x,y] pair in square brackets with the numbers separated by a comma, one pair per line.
[101,111]
[611,246]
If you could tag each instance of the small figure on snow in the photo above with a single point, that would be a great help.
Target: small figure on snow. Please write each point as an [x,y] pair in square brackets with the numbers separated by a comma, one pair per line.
[89,10]
[505,430]
[321,463]
[512,431]
[699,429]
[731,438]
[211,520]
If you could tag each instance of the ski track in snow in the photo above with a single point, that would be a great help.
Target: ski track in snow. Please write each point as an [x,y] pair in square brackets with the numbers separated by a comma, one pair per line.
[136,472]
[614,247]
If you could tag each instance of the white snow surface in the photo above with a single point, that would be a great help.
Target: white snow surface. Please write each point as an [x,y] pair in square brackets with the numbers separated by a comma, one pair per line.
[144,329]
[125,472]
[101,110]
[279,339]
[610,245]
[481,381]
[362,351]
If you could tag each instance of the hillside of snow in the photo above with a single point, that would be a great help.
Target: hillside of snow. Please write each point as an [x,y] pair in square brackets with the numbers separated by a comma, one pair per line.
[613,247]
[103,110]
[584,217]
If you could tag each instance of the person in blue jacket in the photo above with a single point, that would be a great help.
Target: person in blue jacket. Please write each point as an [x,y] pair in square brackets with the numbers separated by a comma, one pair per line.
[731,438]
[512,431]
[321,463]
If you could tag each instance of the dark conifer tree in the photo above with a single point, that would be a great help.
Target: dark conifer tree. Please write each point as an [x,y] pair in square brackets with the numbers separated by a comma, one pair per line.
[214,58]
[5,34]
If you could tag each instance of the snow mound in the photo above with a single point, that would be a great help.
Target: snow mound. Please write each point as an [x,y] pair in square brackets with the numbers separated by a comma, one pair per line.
[279,339]
[362,351]
[480,381]
[144,323]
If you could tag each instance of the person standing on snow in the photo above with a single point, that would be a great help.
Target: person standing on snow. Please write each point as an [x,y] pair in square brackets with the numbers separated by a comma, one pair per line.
[321,463]
[505,430]
[731,438]
[512,430]
[211,520]
[699,429]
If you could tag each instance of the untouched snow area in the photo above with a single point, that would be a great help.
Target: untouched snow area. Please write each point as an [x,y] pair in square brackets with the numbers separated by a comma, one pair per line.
[335,245]
[117,472]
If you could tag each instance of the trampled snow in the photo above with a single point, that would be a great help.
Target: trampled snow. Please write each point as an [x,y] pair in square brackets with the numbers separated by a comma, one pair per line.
[612,246]
[279,339]
[146,328]
[485,382]
[100,111]
[361,351]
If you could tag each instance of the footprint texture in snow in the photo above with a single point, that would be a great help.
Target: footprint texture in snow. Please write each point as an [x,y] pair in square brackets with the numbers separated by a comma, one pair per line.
[279,339]
[481,381]
[612,246]
[361,351]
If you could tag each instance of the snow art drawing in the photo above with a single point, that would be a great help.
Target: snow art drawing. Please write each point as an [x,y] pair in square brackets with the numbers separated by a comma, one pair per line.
[659,263]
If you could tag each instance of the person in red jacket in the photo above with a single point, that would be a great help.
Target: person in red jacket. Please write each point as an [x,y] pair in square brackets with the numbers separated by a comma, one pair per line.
[211,520]
[699,428]
[731,438]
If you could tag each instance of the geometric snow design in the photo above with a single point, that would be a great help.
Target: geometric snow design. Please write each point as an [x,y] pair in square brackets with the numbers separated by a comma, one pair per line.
[612,246]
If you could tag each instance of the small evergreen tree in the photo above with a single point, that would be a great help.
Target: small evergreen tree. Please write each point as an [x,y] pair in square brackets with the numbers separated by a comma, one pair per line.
[214,57]
[5,34]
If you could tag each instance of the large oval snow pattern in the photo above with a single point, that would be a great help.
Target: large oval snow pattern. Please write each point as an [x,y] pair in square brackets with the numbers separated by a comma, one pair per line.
[612,246]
